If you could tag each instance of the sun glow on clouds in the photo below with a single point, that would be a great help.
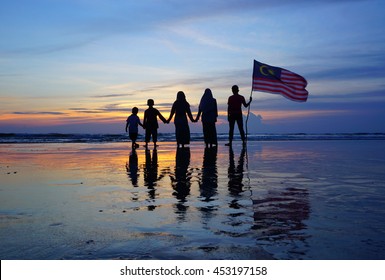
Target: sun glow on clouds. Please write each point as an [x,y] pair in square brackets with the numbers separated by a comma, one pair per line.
[88,63]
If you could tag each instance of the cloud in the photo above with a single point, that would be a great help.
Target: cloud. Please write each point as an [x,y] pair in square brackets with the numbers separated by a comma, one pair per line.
[57,27]
[39,113]
[113,95]
[86,111]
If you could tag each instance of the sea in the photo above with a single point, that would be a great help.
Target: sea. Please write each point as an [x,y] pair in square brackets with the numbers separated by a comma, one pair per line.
[23,138]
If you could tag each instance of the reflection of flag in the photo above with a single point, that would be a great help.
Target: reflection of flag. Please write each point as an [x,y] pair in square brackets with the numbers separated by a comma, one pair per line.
[279,81]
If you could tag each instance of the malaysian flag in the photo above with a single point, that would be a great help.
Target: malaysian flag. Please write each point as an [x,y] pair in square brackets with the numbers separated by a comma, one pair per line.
[279,81]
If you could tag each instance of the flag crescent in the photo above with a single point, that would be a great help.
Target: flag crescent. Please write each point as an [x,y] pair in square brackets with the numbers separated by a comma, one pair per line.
[261,70]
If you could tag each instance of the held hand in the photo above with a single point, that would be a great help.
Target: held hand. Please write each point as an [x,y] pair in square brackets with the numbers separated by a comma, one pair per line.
[248,104]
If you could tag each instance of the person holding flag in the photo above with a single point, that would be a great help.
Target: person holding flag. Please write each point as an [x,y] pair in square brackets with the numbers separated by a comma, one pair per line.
[234,114]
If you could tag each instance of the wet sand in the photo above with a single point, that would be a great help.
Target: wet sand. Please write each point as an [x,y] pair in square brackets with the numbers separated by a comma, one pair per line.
[273,200]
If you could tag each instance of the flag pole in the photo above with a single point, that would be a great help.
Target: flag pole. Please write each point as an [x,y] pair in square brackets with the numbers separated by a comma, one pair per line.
[248,108]
[248,112]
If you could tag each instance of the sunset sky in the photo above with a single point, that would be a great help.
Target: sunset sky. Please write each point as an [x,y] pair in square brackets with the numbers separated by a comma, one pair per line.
[80,66]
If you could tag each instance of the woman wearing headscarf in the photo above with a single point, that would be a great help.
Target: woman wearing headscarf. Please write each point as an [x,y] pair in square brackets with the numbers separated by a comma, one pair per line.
[209,111]
[181,109]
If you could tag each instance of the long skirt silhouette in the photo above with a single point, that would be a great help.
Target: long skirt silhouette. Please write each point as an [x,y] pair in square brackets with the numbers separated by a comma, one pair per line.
[182,132]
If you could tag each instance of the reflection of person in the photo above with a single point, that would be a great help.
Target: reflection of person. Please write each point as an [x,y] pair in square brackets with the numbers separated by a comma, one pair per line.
[235,173]
[234,114]
[150,122]
[132,123]
[209,183]
[209,111]
[151,173]
[181,109]
[181,181]
[132,168]
[285,217]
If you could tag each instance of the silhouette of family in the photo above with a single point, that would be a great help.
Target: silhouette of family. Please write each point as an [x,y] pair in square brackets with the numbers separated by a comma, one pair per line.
[181,112]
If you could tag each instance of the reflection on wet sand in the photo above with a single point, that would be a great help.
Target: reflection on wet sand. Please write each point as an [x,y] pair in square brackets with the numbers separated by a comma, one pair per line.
[181,180]
[208,185]
[280,218]
[277,216]
[281,214]
[208,181]
[235,174]
[132,168]
[287,200]
[150,173]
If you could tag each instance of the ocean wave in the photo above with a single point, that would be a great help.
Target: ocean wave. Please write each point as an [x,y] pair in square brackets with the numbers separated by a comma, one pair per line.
[14,138]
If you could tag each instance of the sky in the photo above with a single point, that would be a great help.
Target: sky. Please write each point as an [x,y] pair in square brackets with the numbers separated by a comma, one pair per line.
[80,66]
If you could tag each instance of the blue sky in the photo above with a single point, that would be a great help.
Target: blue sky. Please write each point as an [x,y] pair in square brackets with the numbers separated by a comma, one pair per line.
[80,66]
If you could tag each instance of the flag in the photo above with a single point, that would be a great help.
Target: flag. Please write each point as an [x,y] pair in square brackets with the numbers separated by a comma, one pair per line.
[277,80]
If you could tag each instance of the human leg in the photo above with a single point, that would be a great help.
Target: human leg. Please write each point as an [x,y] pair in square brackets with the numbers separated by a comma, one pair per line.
[155,137]
[231,129]
[240,127]
[210,133]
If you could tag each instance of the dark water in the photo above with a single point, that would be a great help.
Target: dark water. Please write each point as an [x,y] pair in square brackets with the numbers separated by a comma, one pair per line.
[275,199]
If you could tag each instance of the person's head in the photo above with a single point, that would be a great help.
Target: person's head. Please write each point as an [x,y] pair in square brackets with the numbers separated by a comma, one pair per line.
[208,93]
[235,89]
[135,110]
[180,96]
[150,102]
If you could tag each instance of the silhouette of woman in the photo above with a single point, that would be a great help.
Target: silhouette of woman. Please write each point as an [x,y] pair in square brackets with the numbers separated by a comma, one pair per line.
[181,109]
[209,111]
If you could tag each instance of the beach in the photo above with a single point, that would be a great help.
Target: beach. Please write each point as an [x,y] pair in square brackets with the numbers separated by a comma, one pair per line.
[318,199]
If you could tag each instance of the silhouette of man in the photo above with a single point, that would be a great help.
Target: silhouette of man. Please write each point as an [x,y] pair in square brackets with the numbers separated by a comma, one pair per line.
[234,114]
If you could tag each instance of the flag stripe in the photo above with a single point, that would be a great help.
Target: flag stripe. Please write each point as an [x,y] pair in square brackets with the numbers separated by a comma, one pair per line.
[266,83]
[290,76]
[284,93]
[299,94]
[278,91]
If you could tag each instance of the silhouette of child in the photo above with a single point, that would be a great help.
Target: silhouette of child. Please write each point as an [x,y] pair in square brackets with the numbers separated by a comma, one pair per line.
[150,122]
[132,123]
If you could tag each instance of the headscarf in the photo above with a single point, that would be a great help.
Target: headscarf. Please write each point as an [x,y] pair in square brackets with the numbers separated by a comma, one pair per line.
[207,101]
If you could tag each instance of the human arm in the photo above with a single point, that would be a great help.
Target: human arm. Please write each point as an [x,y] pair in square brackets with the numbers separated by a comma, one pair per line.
[189,114]
[145,118]
[248,103]
[161,117]
[216,109]
[128,122]
[199,114]
[171,114]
